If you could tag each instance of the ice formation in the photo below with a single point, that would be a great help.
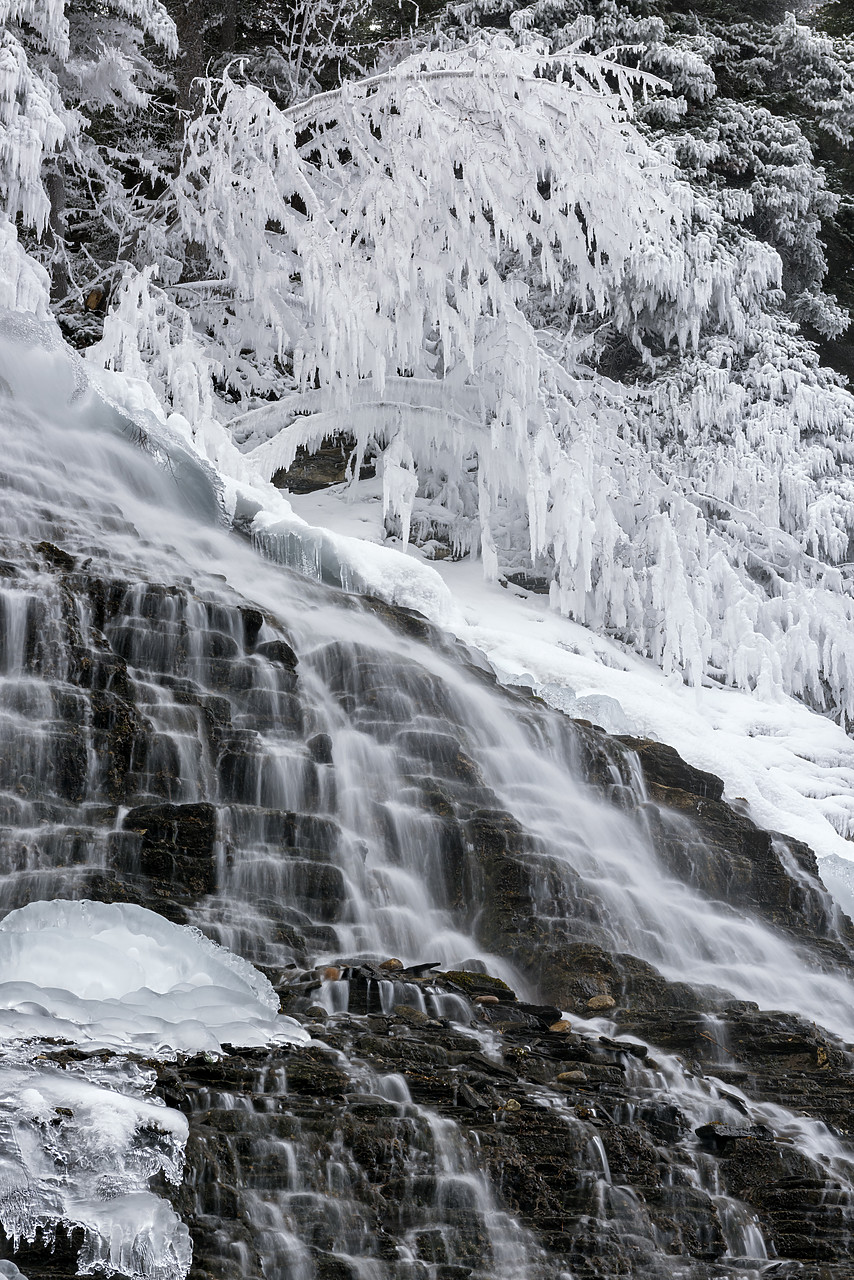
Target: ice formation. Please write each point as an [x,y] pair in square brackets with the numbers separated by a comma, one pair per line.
[80,1141]
[77,1149]
[109,974]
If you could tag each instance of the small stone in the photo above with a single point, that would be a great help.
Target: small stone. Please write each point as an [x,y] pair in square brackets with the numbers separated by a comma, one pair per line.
[467,1097]
[317,1012]
[601,1002]
[392,964]
[571,1077]
[486,1000]
[512,1105]
[562,1024]
[56,556]
[277,651]
[421,970]
[717,1135]
[331,973]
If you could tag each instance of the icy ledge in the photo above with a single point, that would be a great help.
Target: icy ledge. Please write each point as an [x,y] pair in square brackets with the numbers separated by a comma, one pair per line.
[80,1140]
[110,975]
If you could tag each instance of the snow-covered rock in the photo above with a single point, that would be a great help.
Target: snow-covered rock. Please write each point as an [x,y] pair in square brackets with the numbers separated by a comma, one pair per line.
[79,1146]
[116,975]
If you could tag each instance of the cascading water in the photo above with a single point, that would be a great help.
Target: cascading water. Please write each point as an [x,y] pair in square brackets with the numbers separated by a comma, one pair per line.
[318,783]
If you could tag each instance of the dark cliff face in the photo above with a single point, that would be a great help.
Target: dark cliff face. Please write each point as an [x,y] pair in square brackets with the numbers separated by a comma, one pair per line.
[580,1137]
[325,784]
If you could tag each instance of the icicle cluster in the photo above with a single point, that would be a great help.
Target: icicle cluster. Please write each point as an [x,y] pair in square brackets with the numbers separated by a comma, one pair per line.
[59,58]
[32,126]
[438,262]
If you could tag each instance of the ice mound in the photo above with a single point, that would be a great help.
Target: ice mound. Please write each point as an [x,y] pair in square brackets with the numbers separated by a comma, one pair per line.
[79,1152]
[119,976]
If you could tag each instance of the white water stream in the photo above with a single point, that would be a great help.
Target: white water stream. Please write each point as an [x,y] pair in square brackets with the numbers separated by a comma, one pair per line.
[384,707]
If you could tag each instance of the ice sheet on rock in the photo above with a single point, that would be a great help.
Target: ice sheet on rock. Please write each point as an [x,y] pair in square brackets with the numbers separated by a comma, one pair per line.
[598,708]
[9,1271]
[38,370]
[353,564]
[118,975]
[76,1152]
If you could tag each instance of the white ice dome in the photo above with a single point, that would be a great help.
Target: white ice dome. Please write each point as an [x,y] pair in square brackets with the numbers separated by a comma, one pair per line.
[116,975]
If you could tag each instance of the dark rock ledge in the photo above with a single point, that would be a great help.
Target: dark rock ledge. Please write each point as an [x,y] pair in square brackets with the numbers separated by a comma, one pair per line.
[535,1101]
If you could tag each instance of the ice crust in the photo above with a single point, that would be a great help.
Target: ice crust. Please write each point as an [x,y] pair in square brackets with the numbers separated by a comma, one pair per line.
[80,1143]
[77,1152]
[118,976]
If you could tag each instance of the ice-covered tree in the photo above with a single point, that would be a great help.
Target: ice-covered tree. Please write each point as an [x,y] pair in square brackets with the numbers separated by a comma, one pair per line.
[290,48]
[67,69]
[440,262]
[560,302]
[754,94]
[362,235]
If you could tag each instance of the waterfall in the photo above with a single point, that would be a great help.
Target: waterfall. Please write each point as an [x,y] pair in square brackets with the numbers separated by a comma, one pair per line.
[323,785]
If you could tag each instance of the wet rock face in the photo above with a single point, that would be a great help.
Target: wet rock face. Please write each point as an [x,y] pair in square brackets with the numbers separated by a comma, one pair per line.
[177,847]
[325,466]
[722,852]
[602,1171]
[174,745]
[490,1144]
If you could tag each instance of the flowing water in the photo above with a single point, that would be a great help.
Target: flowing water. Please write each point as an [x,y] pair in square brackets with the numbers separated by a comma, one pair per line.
[330,776]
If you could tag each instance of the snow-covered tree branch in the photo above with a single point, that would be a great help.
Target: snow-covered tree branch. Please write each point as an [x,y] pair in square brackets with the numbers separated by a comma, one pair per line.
[566,323]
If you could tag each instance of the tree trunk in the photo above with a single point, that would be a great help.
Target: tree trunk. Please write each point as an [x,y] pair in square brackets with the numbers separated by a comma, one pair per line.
[54,182]
[228,30]
[189,16]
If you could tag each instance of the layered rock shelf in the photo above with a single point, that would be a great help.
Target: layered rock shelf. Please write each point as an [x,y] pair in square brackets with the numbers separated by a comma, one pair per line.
[521,946]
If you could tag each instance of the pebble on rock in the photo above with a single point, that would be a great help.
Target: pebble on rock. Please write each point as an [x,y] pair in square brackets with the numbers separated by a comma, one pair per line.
[486,999]
[571,1077]
[601,1002]
[562,1024]
[512,1105]
[393,963]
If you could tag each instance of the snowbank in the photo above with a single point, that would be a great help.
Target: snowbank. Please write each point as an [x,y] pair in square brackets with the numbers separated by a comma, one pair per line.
[118,976]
